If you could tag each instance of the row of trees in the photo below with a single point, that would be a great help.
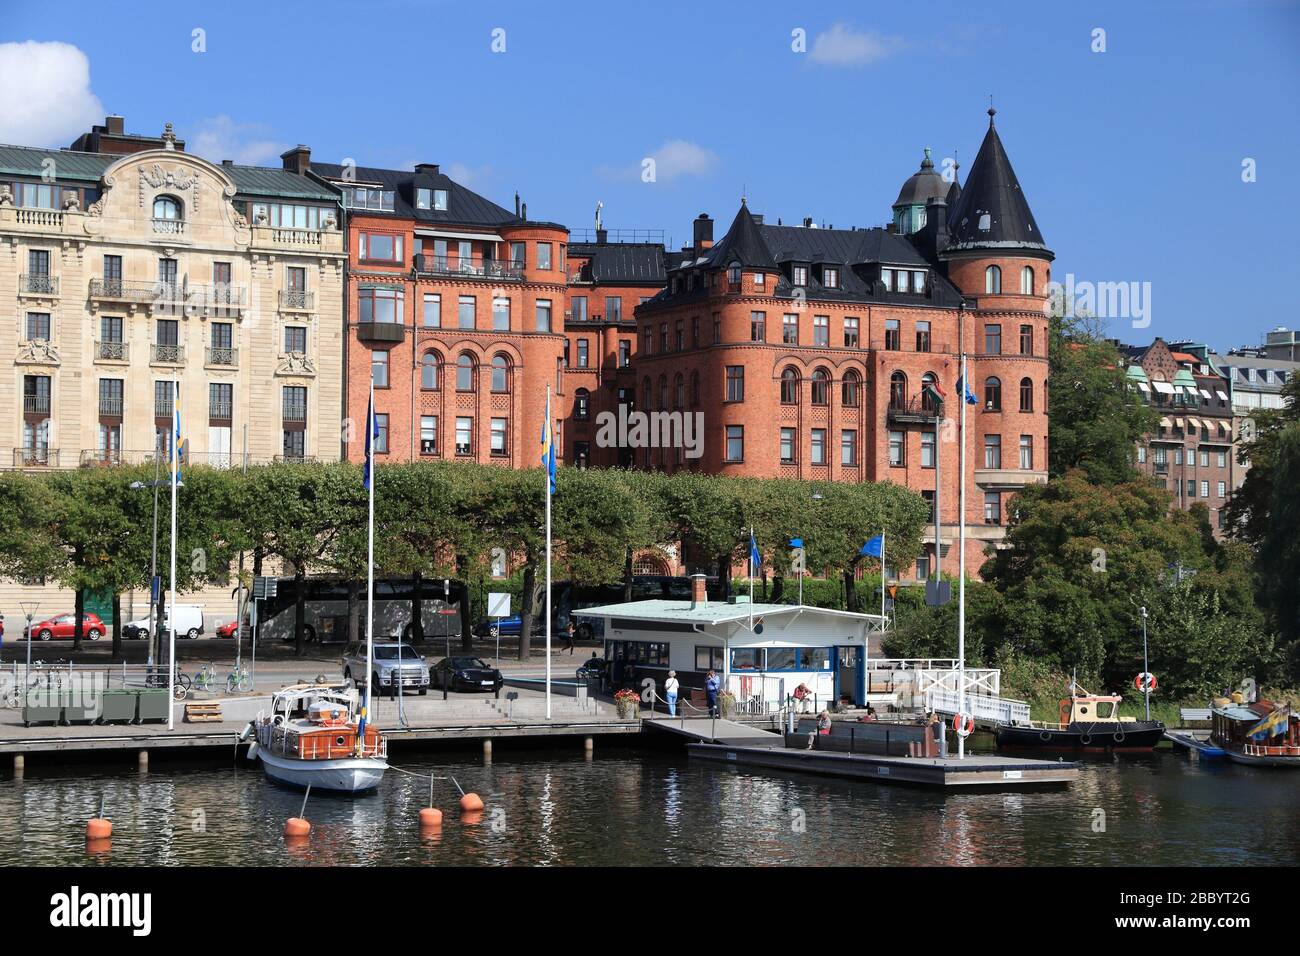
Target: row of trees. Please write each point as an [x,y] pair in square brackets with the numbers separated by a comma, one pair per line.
[91,530]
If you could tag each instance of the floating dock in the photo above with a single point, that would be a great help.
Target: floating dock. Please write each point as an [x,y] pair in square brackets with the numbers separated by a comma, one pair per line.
[1196,740]
[943,773]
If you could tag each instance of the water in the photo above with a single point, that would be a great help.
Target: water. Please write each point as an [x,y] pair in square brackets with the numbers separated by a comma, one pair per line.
[624,806]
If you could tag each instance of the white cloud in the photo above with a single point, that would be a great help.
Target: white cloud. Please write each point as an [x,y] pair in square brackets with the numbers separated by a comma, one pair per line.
[841,45]
[48,99]
[220,137]
[471,176]
[672,160]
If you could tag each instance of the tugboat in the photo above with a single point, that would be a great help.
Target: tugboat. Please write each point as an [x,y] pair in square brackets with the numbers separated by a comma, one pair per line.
[313,736]
[1089,722]
[1260,733]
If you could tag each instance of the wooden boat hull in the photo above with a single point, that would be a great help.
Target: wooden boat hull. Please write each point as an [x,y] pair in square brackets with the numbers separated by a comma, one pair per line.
[1101,736]
[342,775]
[1264,760]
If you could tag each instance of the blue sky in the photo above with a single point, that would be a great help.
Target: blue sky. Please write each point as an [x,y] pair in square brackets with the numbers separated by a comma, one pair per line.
[1131,158]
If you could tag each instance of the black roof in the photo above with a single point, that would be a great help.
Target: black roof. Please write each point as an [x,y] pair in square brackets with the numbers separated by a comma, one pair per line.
[621,263]
[992,212]
[464,206]
[922,186]
[743,243]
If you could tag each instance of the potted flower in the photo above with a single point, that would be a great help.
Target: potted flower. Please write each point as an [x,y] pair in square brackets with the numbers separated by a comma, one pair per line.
[628,702]
[727,703]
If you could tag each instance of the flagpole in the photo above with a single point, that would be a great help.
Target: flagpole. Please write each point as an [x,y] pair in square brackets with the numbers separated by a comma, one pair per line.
[171,594]
[550,453]
[751,577]
[370,565]
[882,579]
[961,554]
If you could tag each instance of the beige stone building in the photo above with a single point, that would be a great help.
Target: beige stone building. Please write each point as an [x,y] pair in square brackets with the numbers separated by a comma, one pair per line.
[123,271]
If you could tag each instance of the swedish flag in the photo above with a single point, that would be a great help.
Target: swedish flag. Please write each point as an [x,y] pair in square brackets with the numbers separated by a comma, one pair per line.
[1272,725]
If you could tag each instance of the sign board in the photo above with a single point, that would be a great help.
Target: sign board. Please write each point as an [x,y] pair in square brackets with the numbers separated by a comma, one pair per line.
[498,604]
[155,588]
[937,593]
[264,587]
[798,562]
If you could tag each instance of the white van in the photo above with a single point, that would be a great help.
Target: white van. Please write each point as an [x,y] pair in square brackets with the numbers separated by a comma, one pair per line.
[189,623]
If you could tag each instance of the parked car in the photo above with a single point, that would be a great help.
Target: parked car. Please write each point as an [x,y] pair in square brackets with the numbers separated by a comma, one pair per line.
[228,629]
[64,625]
[594,667]
[189,623]
[467,673]
[389,657]
[509,626]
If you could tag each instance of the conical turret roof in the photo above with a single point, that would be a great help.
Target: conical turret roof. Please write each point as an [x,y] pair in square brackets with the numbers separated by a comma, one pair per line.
[992,212]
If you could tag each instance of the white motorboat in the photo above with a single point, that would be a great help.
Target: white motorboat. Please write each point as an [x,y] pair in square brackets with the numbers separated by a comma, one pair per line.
[312,737]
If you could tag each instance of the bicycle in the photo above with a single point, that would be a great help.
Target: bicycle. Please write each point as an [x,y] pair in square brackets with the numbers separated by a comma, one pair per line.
[181,688]
[238,680]
[205,679]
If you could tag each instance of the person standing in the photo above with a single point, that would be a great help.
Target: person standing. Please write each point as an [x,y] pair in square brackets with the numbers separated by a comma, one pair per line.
[670,692]
[568,636]
[711,686]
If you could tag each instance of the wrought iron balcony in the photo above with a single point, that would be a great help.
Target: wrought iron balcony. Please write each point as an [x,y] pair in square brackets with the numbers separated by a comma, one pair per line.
[169,354]
[219,411]
[36,404]
[38,283]
[119,290]
[297,300]
[911,411]
[36,456]
[295,412]
[112,351]
[110,406]
[474,266]
[101,457]
[222,355]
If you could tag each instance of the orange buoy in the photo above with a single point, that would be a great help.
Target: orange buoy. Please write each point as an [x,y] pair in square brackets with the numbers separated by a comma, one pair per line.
[471,817]
[471,802]
[98,829]
[296,827]
[97,847]
[430,817]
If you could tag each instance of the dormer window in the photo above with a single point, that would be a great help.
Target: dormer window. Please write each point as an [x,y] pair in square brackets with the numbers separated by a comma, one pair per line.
[918,283]
[831,278]
[887,279]
[440,200]
[799,275]
[423,198]
[733,273]
[903,279]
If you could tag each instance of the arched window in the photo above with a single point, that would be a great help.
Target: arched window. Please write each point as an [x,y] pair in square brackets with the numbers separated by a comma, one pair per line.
[679,391]
[167,207]
[663,392]
[1026,395]
[500,373]
[789,387]
[928,401]
[581,404]
[993,280]
[898,390]
[465,372]
[647,395]
[695,389]
[849,389]
[821,387]
[993,394]
[429,370]
[1027,281]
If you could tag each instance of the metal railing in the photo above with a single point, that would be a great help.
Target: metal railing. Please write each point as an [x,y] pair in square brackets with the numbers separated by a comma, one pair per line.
[169,354]
[295,412]
[222,355]
[113,351]
[616,235]
[105,457]
[36,404]
[36,456]
[472,266]
[124,291]
[111,406]
[163,407]
[38,283]
[219,410]
[297,299]
[888,343]
[998,710]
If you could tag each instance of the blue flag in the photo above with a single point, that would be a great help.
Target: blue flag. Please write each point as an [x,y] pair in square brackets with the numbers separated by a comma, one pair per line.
[548,447]
[755,559]
[372,434]
[178,447]
[873,547]
[964,388]
[796,542]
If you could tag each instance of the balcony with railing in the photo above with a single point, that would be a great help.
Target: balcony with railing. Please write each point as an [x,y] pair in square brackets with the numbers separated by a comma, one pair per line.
[120,290]
[110,406]
[473,267]
[168,355]
[292,459]
[101,457]
[222,356]
[163,407]
[216,298]
[36,456]
[899,343]
[295,411]
[36,404]
[297,240]
[297,300]
[38,283]
[911,411]
[220,410]
[39,218]
[112,352]
[169,227]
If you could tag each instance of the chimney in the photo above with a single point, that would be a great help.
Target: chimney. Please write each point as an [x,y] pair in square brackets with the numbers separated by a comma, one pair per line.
[114,124]
[297,160]
[601,236]
[703,232]
[523,212]
[516,205]
[936,214]
[429,169]
[807,222]
[699,593]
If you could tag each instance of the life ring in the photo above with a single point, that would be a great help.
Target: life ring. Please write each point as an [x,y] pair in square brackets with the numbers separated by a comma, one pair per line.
[963,724]
[1085,739]
[1045,736]
[1118,737]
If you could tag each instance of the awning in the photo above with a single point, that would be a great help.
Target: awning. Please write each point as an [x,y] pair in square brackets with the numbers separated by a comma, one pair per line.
[448,234]
[1144,386]
[1205,392]
[1178,423]
[1222,397]
[1223,429]
[1166,423]
[1164,388]
[1194,422]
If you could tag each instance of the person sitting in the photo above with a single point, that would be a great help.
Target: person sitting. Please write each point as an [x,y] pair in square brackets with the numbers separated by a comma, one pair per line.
[824,723]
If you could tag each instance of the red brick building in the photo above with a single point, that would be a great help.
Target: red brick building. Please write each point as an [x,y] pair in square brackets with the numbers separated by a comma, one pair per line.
[807,349]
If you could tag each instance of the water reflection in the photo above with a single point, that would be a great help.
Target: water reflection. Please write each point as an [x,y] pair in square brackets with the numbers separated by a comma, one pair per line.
[553,808]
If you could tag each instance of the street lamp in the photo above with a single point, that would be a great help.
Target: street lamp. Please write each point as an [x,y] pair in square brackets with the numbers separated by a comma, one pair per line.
[29,609]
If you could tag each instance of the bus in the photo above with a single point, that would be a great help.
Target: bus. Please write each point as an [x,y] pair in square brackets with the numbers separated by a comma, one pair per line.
[326,611]
[567,597]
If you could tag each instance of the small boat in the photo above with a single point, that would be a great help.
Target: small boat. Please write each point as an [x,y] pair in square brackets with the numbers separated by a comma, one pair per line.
[1087,722]
[1260,733]
[1197,740]
[312,737]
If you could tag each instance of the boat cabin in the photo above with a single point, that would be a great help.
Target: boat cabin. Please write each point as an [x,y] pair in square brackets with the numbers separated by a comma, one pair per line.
[1232,723]
[317,722]
[1092,709]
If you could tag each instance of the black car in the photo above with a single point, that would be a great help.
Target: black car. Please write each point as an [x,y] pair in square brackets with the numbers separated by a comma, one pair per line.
[466,673]
[593,668]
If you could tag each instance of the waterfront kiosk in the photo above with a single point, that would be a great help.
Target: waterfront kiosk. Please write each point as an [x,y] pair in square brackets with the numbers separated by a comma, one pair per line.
[762,652]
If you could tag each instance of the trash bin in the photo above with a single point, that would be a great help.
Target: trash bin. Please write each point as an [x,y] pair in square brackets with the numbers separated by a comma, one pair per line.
[118,705]
[42,704]
[84,704]
[154,705]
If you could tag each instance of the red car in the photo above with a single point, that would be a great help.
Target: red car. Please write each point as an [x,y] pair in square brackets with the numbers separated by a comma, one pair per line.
[228,629]
[65,624]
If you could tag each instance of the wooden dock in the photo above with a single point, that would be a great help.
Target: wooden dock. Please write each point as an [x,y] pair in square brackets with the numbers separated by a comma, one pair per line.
[943,773]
